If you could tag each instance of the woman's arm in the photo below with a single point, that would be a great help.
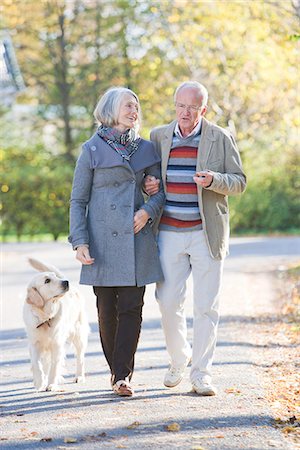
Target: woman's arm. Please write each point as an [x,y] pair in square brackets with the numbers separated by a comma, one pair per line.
[80,196]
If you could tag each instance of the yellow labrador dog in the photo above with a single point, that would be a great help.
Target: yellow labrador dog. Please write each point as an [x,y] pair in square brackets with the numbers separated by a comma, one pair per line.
[53,314]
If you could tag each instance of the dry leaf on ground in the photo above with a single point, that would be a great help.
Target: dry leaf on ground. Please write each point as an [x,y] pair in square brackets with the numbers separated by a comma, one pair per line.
[133,425]
[232,390]
[172,427]
[70,440]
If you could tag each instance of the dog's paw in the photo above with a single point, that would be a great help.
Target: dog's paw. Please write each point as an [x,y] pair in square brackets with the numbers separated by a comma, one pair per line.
[53,388]
[80,379]
[41,388]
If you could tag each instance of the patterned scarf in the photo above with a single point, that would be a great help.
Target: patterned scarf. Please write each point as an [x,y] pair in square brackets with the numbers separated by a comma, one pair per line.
[126,144]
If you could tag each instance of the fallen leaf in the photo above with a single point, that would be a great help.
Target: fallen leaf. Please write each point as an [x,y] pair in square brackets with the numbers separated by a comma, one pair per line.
[273,443]
[70,440]
[173,427]
[288,429]
[200,437]
[232,391]
[133,425]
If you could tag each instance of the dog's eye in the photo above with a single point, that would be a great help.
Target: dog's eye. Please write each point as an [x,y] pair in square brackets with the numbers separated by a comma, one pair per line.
[47,280]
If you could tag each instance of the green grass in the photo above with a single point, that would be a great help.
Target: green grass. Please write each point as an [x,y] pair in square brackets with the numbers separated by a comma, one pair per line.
[45,237]
[294,272]
[288,232]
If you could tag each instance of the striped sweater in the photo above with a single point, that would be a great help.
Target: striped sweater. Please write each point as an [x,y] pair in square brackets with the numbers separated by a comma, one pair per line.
[181,211]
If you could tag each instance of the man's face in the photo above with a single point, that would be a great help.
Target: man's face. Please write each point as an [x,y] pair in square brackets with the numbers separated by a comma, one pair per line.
[188,109]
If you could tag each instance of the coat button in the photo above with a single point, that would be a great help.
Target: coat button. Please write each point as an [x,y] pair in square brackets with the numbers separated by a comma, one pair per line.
[112,206]
[115,233]
[93,148]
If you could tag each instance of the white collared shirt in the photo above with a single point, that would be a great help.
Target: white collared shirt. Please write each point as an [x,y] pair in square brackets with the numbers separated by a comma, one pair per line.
[192,133]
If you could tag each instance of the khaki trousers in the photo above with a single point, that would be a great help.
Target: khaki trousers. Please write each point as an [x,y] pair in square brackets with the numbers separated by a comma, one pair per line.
[183,253]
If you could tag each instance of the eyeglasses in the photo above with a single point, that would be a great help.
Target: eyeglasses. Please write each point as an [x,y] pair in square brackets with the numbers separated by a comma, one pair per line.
[192,108]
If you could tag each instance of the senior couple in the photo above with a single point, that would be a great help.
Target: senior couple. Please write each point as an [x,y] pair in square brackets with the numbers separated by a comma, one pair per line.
[124,242]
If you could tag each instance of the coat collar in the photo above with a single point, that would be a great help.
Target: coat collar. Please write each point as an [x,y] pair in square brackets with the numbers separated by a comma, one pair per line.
[104,156]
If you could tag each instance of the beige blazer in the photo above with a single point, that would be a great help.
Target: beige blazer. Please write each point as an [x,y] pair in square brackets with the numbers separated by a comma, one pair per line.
[217,153]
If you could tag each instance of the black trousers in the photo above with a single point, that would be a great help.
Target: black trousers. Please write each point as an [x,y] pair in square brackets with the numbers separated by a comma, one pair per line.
[120,318]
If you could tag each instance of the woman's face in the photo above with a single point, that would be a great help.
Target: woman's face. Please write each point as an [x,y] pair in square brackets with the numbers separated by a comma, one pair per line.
[128,113]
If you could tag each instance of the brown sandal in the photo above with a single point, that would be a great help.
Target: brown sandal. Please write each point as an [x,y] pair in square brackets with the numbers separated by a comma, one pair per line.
[123,388]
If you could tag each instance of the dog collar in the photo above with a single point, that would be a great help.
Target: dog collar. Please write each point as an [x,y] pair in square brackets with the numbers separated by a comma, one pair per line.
[43,323]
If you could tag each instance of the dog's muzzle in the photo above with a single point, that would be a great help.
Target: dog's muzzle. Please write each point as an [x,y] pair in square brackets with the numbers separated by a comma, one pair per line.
[65,285]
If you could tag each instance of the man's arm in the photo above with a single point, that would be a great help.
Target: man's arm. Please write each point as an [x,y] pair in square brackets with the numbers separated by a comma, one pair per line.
[233,180]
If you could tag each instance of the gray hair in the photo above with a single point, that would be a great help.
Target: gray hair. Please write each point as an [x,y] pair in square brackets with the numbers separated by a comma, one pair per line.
[195,85]
[108,107]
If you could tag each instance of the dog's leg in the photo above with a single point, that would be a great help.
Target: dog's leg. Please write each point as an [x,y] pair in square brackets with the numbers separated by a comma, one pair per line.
[57,356]
[80,344]
[39,377]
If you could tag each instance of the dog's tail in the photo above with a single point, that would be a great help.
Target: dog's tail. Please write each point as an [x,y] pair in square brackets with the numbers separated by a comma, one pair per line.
[42,267]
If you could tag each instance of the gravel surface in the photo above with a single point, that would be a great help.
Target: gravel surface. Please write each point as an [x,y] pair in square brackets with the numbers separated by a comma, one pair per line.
[90,417]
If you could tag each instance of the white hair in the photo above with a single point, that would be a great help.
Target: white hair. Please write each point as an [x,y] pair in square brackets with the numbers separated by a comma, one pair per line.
[108,107]
[195,85]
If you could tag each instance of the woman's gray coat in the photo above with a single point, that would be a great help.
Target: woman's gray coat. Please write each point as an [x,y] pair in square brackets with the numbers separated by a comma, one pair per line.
[105,195]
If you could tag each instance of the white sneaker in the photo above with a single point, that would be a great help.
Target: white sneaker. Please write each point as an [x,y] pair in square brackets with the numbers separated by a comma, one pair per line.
[204,387]
[174,375]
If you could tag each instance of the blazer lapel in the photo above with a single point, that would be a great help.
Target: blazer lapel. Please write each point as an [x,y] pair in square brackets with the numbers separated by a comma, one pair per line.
[205,144]
[166,144]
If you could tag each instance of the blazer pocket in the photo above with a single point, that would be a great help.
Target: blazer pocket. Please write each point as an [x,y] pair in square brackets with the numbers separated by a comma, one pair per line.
[222,229]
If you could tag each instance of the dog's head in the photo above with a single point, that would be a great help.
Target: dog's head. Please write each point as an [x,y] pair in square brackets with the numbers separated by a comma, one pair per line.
[46,288]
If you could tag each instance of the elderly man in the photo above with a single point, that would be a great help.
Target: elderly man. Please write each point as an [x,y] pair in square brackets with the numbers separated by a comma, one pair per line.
[201,166]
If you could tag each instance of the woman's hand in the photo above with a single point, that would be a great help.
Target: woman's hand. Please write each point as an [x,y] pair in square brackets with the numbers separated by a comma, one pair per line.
[140,219]
[151,185]
[83,255]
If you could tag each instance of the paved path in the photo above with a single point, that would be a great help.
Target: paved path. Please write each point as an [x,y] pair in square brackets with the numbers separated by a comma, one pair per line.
[238,418]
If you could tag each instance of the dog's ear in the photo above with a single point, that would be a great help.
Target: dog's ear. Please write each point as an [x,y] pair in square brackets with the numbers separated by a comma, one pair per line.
[34,298]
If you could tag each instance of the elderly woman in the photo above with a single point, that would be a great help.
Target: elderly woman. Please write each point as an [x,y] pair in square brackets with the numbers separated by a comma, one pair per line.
[111,227]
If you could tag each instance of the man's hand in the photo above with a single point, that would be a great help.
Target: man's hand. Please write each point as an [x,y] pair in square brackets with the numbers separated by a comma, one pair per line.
[203,179]
[83,255]
[151,185]
[140,219]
